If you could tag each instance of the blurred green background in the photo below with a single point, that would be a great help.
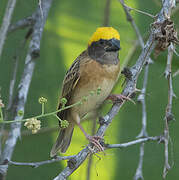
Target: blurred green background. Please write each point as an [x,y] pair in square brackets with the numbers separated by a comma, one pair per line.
[68,28]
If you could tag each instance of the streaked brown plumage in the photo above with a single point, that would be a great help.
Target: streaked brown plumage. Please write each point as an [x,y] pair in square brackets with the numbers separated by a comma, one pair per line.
[98,66]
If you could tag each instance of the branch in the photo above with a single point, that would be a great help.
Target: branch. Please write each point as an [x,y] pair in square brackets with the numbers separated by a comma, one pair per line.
[14,74]
[11,90]
[106,13]
[131,143]
[143,133]
[72,159]
[141,98]
[23,23]
[37,164]
[128,9]
[176,73]
[6,21]
[168,115]
[33,52]
[74,163]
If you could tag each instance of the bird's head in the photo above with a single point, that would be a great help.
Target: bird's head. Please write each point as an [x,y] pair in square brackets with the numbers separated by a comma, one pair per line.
[104,45]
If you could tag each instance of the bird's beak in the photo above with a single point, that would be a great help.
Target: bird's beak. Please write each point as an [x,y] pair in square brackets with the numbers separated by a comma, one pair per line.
[114,45]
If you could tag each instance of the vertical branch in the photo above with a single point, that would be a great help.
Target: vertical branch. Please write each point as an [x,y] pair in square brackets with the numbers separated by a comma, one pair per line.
[141,98]
[143,133]
[6,21]
[11,88]
[14,74]
[107,13]
[168,115]
[20,100]
[139,174]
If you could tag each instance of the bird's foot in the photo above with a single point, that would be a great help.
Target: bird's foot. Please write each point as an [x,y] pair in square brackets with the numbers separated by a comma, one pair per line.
[118,98]
[95,140]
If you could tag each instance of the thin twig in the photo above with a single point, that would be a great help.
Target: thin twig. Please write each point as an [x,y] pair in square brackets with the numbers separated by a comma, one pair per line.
[141,97]
[42,115]
[40,6]
[14,74]
[6,22]
[33,52]
[23,23]
[107,13]
[168,115]
[139,171]
[139,11]
[11,90]
[131,20]
[129,55]
[60,158]
[134,142]
[143,133]
[37,164]
[176,73]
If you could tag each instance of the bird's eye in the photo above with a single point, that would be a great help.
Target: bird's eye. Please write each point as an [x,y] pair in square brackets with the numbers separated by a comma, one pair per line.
[101,41]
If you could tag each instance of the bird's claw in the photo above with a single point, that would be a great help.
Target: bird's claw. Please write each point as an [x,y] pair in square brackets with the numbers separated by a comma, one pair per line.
[119,97]
[95,140]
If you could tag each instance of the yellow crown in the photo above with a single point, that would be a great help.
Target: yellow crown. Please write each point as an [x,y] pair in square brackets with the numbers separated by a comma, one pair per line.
[104,33]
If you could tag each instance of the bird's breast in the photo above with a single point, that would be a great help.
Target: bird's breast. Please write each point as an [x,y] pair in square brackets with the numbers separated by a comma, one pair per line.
[95,85]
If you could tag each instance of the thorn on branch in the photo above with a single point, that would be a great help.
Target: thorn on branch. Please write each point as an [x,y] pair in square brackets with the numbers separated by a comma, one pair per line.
[161,139]
[71,163]
[167,74]
[138,176]
[35,53]
[132,95]
[140,98]
[29,33]
[128,9]
[170,117]
[103,121]
[127,73]
[149,61]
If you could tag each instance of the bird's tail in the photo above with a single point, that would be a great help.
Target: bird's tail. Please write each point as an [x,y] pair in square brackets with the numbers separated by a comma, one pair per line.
[63,140]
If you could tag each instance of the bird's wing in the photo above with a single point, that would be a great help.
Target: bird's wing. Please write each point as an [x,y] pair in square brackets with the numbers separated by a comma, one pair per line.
[71,79]
[72,76]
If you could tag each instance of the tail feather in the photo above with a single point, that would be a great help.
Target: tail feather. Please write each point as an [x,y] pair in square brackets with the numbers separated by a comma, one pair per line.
[63,141]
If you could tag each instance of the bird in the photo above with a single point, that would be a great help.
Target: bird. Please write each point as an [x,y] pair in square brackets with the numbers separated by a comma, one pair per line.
[96,67]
